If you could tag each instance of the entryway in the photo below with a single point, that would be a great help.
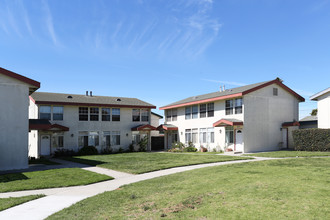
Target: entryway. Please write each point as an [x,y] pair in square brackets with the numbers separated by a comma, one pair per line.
[239,140]
[45,145]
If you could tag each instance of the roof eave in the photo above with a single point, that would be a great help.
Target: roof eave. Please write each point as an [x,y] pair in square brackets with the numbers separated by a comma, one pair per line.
[92,104]
[202,101]
[317,95]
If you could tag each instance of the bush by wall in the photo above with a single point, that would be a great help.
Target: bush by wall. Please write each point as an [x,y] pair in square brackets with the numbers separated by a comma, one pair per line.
[311,139]
[88,150]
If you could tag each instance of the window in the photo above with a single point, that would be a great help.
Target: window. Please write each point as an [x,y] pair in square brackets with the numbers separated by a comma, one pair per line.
[202,135]
[83,139]
[210,135]
[116,114]
[94,114]
[136,114]
[238,106]
[194,135]
[195,111]
[188,135]
[45,112]
[202,111]
[83,114]
[188,112]
[275,91]
[174,137]
[93,138]
[115,138]
[106,139]
[144,115]
[57,113]
[229,107]
[57,140]
[86,138]
[60,141]
[206,135]
[210,109]
[105,114]
[229,135]
[135,137]
[168,115]
[174,114]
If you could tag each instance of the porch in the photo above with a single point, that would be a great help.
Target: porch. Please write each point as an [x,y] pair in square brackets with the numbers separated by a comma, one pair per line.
[234,137]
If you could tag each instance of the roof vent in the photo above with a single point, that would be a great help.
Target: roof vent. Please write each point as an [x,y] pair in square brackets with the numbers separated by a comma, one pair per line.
[69,97]
[118,100]
[195,97]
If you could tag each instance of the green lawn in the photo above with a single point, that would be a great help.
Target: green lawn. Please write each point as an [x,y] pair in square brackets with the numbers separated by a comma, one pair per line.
[49,179]
[6,203]
[278,189]
[146,162]
[287,153]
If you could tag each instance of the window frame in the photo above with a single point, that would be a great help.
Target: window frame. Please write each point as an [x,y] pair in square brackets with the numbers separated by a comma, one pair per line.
[239,108]
[144,115]
[94,113]
[210,109]
[229,108]
[115,117]
[202,110]
[83,114]
[188,112]
[194,111]
[49,114]
[136,114]
[55,114]
[106,114]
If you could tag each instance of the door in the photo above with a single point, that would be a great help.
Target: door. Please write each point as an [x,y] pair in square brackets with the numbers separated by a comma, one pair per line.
[239,140]
[45,145]
[285,138]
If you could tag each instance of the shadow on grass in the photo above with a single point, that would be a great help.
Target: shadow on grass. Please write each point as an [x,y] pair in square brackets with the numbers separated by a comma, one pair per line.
[83,161]
[12,177]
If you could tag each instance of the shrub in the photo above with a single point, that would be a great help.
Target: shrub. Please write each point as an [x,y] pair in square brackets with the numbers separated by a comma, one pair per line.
[312,139]
[131,147]
[88,150]
[64,153]
[190,149]
[143,144]
[107,150]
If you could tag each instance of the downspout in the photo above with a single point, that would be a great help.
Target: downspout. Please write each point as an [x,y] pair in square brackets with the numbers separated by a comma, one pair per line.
[287,138]
[234,139]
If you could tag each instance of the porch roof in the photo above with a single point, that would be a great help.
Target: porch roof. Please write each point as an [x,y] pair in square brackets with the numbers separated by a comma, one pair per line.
[227,122]
[290,124]
[146,127]
[44,124]
[167,127]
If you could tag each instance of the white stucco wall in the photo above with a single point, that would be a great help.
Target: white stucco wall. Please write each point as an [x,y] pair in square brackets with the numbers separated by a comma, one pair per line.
[13,123]
[323,111]
[264,115]
[71,120]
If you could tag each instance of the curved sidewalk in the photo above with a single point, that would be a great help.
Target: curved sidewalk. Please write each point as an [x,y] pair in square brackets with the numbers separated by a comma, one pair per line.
[59,198]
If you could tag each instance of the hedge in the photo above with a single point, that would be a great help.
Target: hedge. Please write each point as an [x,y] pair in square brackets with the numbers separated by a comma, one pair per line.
[313,139]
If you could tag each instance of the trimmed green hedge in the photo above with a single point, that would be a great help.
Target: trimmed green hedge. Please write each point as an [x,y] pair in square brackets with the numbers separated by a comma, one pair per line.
[312,139]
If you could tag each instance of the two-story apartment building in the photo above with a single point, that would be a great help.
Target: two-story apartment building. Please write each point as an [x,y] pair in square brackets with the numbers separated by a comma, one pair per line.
[250,118]
[323,108]
[14,122]
[67,121]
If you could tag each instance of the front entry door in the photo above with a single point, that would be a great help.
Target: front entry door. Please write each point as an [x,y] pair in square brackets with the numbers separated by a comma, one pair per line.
[45,145]
[239,140]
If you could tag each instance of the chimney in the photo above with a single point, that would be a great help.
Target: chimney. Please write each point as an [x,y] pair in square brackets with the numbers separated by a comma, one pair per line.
[224,89]
[91,93]
[86,93]
[220,88]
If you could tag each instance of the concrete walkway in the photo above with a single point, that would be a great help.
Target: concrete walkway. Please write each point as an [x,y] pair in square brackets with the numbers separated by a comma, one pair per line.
[59,198]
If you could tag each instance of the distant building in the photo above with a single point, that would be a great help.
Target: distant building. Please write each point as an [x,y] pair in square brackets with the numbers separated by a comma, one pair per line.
[308,122]
[68,121]
[323,107]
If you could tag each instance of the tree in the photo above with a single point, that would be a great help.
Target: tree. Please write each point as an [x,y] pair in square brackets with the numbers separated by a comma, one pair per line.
[314,112]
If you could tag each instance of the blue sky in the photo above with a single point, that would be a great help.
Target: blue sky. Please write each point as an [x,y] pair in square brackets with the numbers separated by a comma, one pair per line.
[161,51]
